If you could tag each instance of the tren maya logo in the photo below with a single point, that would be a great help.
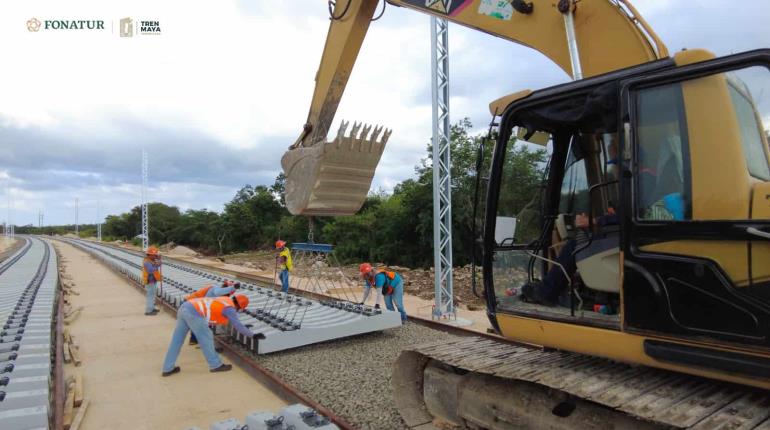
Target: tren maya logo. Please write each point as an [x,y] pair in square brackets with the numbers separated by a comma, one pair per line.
[35,25]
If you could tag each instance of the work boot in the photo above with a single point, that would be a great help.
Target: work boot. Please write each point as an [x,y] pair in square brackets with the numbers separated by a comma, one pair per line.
[193,342]
[176,369]
[222,368]
[152,312]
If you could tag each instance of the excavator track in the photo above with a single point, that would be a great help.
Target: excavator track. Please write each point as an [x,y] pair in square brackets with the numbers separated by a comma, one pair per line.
[479,382]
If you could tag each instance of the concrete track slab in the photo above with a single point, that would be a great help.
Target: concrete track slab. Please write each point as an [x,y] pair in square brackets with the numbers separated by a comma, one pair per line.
[122,350]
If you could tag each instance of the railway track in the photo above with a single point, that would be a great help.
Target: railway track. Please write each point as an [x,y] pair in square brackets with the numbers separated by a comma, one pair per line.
[640,397]
[29,307]
[343,380]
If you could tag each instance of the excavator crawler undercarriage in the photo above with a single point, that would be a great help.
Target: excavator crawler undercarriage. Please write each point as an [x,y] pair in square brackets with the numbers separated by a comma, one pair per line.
[482,383]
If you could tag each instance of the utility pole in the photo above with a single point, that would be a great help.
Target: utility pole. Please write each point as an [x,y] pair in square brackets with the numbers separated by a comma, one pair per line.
[442,186]
[76,218]
[10,227]
[145,220]
[98,223]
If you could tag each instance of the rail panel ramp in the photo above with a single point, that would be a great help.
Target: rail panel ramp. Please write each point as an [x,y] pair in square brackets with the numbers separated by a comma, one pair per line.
[285,320]
[501,385]
[28,298]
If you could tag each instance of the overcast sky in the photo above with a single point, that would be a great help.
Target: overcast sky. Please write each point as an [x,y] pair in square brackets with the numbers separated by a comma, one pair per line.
[219,95]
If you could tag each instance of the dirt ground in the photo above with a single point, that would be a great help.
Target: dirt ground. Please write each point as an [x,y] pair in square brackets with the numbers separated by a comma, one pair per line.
[122,351]
[6,243]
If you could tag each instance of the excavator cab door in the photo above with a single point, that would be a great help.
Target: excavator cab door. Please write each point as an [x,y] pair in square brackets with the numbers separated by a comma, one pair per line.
[695,186]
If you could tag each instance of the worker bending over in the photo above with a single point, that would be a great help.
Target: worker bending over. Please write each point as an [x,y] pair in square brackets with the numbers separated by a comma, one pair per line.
[227,289]
[389,283]
[150,276]
[196,315]
[283,260]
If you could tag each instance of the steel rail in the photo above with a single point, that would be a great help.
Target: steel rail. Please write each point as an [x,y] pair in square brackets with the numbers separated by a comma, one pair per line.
[8,263]
[12,250]
[58,380]
[284,390]
[268,282]
[28,297]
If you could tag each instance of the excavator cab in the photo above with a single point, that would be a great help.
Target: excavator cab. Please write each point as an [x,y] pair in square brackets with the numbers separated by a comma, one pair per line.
[648,238]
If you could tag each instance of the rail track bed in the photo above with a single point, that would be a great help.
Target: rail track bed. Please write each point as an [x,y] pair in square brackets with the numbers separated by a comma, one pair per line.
[346,379]
[28,336]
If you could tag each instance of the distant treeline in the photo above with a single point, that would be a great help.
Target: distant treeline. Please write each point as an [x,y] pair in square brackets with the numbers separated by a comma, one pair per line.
[394,228]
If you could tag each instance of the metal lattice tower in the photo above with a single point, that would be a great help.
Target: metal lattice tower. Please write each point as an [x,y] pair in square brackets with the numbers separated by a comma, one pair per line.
[442,186]
[8,225]
[76,218]
[145,219]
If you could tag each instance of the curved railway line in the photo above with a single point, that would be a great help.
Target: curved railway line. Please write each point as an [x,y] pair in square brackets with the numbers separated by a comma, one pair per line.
[30,369]
[349,379]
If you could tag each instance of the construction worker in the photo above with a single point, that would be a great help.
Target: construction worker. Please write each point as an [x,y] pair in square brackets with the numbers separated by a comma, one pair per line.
[283,261]
[150,276]
[389,283]
[196,315]
[227,289]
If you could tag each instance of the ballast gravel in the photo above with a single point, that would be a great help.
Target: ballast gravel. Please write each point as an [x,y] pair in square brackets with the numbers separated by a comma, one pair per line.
[352,376]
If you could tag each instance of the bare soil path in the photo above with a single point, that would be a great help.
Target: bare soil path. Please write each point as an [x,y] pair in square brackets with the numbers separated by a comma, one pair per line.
[122,351]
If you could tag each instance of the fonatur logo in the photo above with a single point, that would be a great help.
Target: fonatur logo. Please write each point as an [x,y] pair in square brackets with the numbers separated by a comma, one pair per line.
[34,24]
[65,24]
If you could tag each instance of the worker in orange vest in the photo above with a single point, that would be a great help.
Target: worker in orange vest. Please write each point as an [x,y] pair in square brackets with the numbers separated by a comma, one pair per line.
[195,315]
[150,276]
[387,282]
[227,289]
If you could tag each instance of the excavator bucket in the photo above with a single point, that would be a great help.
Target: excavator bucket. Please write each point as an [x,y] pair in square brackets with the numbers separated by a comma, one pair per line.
[333,178]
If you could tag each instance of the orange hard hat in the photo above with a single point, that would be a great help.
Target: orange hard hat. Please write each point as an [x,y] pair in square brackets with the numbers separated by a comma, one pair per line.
[153,250]
[280,244]
[365,268]
[241,301]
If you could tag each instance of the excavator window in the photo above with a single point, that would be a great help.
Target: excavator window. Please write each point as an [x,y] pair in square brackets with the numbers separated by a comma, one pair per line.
[663,166]
[697,261]
[751,130]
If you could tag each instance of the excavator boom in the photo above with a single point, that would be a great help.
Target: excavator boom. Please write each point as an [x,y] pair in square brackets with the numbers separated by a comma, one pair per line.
[333,178]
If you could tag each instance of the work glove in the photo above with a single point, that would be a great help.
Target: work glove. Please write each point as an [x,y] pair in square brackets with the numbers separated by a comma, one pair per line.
[237,285]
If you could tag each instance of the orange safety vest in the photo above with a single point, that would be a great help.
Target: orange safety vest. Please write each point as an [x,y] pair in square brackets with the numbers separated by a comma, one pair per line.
[199,293]
[211,308]
[387,289]
[146,276]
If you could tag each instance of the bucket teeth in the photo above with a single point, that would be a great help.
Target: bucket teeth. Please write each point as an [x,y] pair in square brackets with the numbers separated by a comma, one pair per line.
[375,133]
[365,131]
[354,130]
[333,178]
[343,127]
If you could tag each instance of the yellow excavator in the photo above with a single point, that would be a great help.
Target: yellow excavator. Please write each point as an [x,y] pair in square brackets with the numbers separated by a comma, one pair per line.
[633,283]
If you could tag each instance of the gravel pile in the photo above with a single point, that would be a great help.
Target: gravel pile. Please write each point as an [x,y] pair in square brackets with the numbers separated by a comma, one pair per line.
[352,376]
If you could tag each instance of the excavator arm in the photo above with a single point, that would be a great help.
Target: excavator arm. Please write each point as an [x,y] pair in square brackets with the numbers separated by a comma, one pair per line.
[584,38]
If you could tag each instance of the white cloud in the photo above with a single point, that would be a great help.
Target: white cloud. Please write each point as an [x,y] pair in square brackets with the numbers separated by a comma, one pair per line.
[237,76]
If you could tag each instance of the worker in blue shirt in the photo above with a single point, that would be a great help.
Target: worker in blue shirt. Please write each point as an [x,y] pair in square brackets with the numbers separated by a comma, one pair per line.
[389,283]
[151,275]
[227,289]
[195,315]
